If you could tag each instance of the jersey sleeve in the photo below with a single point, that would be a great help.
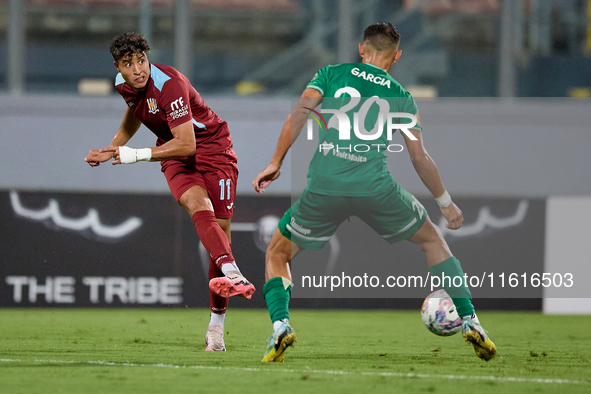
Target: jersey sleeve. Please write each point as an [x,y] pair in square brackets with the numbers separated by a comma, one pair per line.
[407,104]
[175,100]
[414,109]
[119,87]
[320,80]
[119,83]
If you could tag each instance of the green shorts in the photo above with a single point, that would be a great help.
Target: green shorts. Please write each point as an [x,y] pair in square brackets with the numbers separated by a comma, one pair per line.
[310,222]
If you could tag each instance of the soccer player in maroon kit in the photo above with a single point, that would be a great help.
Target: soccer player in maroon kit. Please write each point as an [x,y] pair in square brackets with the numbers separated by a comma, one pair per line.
[197,159]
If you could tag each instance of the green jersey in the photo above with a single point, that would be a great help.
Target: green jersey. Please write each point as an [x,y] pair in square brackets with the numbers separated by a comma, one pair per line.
[351,160]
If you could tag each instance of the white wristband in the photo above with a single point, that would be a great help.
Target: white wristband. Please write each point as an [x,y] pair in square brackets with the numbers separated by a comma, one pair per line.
[129,155]
[444,200]
[144,154]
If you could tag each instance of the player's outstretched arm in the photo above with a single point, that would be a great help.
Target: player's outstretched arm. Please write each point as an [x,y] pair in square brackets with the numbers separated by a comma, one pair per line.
[429,174]
[181,145]
[289,133]
[129,126]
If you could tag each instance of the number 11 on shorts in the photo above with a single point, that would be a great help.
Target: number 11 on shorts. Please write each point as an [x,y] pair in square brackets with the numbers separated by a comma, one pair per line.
[226,183]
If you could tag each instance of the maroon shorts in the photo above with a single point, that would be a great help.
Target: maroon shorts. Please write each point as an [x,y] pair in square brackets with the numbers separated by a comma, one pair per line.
[217,174]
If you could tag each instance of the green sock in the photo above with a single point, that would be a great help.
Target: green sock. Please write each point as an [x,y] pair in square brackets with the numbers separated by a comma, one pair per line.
[277,292]
[461,296]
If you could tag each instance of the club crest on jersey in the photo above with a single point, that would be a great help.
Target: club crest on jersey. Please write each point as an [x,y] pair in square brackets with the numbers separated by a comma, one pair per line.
[152,107]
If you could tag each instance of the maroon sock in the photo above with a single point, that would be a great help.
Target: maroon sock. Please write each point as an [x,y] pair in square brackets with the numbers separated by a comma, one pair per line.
[213,237]
[217,304]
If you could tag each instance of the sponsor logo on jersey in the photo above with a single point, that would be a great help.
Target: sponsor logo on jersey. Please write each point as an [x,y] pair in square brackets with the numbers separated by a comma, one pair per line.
[178,108]
[176,104]
[349,156]
[300,229]
[371,78]
[152,107]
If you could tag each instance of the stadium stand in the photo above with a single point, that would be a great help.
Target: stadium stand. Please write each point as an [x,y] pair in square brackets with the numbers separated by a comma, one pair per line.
[232,5]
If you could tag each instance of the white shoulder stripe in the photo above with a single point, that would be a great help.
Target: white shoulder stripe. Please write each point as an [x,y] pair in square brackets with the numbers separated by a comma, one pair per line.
[119,80]
[315,87]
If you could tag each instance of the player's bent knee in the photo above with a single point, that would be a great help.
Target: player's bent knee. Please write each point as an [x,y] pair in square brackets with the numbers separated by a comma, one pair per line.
[196,199]
[427,235]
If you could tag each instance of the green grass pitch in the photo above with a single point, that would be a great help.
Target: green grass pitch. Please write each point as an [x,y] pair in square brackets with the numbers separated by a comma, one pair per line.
[161,351]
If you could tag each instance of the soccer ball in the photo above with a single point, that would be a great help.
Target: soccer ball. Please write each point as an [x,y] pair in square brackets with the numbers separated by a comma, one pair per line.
[439,314]
[265,228]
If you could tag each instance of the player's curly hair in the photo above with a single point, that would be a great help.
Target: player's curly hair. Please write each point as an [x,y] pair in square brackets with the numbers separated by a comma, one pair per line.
[382,36]
[128,43]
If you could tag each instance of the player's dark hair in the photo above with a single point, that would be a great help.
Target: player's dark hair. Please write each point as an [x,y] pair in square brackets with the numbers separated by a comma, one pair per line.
[128,44]
[382,36]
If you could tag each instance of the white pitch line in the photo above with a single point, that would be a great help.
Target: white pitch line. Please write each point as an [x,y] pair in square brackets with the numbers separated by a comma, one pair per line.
[316,371]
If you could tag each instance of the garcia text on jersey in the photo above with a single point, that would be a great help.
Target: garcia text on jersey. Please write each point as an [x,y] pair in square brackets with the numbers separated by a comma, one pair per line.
[370,77]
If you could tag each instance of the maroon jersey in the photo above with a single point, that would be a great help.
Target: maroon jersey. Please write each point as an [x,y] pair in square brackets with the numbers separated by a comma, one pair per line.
[168,101]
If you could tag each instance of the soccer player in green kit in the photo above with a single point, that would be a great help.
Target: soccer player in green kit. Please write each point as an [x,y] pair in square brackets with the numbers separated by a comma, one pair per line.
[358,184]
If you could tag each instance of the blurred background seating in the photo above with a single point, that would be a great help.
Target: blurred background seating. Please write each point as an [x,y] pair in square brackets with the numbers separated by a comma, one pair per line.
[273,47]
